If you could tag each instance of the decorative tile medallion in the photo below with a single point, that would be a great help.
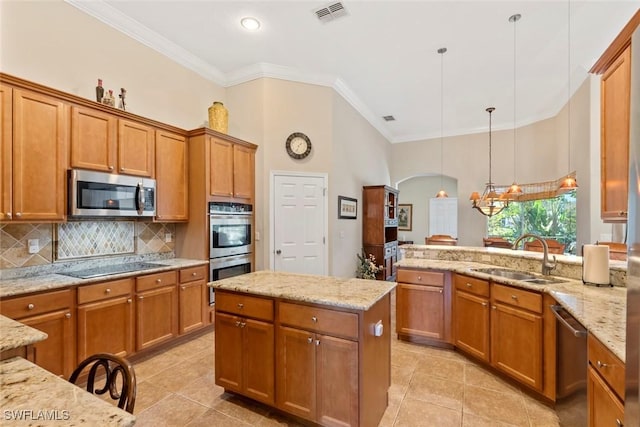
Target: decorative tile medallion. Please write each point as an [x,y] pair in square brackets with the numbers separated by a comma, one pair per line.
[99,238]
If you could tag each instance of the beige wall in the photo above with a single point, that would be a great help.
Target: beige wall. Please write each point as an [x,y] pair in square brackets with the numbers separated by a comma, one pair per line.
[55,44]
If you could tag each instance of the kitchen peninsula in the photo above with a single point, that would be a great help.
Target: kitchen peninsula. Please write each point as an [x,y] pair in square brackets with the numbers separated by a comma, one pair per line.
[315,347]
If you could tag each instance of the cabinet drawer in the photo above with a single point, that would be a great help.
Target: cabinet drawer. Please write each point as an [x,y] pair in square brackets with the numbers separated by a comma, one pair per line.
[421,277]
[102,291]
[517,297]
[192,274]
[19,307]
[607,365]
[317,319]
[245,305]
[153,281]
[472,285]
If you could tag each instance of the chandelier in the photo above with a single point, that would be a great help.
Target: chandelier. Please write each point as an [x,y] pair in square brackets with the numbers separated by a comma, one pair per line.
[490,203]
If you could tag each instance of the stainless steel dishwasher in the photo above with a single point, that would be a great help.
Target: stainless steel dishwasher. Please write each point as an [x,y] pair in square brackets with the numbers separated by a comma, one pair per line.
[571,371]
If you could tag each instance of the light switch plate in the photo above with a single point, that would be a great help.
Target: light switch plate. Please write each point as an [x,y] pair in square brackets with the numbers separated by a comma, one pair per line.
[34,246]
[167,237]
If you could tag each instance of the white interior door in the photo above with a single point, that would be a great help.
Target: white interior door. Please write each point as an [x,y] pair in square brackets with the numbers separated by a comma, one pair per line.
[443,216]
[299,224]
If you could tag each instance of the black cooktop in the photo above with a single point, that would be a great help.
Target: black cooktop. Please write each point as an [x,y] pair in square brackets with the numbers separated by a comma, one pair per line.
[109,270]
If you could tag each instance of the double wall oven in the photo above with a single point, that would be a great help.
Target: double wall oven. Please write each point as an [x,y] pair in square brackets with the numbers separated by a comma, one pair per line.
[230,240]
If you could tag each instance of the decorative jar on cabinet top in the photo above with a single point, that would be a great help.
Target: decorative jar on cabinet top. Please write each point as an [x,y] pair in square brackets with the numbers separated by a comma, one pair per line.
[218,117]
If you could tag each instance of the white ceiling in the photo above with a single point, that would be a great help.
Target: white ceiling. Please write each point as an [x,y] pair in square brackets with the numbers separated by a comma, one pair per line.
[382,57]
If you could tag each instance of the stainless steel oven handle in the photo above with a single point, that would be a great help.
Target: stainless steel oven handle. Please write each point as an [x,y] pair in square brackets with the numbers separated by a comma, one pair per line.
[556,312]
[140,201]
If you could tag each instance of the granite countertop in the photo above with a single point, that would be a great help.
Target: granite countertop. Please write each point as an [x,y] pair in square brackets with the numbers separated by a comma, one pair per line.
[47,282]
[43,399]
[358,294]
[602,310]
[14,334]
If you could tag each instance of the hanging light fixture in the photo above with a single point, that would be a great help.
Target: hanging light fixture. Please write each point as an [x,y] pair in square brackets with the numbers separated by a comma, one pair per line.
[570,182]
[441,193]
[490,203]
[515,190]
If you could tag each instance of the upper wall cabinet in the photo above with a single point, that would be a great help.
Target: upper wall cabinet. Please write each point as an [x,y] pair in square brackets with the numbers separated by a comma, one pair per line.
[34,156]
[615,88]
[232,169]
[172,176]
[136,143]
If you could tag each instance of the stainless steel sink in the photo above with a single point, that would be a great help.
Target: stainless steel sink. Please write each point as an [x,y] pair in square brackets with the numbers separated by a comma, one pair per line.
[518,275]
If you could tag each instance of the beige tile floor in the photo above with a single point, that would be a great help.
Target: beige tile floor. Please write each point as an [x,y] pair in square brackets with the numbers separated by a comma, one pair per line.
[429,387]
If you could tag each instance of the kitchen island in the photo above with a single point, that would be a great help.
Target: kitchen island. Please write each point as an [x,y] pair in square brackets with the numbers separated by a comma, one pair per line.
[315,347]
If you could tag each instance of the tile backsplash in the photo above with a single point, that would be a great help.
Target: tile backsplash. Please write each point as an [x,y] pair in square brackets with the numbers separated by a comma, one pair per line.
[81,240]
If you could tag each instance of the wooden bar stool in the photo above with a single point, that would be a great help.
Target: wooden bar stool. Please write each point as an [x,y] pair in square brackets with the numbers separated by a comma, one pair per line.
[617,251]
[441,239]
[496,242]
[555,247]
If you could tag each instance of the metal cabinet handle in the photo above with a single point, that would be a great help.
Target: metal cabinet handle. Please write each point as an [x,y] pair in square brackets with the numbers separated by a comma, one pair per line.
[107,291]
[317,342]
[556,309]
[622,213]
[158,280]
[469,285]
[111,167]
[18,214]
[601,365]
[619,423]
[121,169]
[240,306]
[183,288]
[493,307]
[314,319]
[514,297]
[194,274]
[129,301]
[9,215]
[309,340]
[420,278]
[140,297]
[440,290]
[484,304]
[237,323]
[278,252]
[31,307]
[68,315]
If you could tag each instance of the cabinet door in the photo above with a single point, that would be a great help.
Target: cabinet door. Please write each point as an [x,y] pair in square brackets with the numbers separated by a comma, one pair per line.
[259,360]
[56,354]
[6,142]
[471,324]
[614,150]
[605,409]
[221,166]
[516,344]
[228,340]
[93,139]
[420,311]
[106,327]
[156,316]
[191,303]
[136,145]
[243,171]
[295,372]
[337,376]
[172,202]
[40,143]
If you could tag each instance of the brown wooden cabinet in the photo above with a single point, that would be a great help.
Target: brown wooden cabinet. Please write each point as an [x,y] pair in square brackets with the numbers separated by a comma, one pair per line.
[232,169]
[380,227]
[516,334]
[605,385]
[614,143]
[317,373]
[105,318]
[471,316]
[94,139]
[245,332]
[172,176]
[423,306]
[6,145]
[136,148]
[156,309]
[51,313]
[193,299]
[34,156]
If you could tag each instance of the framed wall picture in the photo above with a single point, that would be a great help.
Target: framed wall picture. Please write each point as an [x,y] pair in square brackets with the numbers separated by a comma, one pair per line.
[405,217]
[347,208]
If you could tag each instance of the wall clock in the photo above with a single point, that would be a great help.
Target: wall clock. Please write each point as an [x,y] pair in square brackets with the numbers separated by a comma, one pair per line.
[298,145]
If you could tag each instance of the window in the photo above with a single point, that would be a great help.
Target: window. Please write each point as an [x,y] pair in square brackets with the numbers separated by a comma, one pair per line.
[549,218]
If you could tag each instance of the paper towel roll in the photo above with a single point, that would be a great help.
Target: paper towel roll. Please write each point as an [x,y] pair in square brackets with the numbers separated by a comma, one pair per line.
[595,264]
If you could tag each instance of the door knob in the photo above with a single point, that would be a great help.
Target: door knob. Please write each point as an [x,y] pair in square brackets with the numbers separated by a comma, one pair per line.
[278,252]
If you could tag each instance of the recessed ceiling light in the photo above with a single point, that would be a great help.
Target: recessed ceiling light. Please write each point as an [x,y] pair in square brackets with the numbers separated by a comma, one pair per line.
[249,23]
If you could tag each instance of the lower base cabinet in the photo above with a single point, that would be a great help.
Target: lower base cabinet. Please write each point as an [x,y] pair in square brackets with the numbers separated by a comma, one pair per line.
[605,408]
[156,309]
[51,313]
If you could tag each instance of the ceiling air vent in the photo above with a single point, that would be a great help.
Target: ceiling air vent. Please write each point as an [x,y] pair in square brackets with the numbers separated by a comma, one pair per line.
[389,118]
[330,12]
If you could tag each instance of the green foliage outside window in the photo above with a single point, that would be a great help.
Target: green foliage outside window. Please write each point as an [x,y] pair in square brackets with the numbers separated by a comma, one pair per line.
[549,218]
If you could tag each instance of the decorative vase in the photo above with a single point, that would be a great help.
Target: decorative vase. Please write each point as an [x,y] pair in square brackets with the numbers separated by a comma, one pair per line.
[218,117]
[99,91]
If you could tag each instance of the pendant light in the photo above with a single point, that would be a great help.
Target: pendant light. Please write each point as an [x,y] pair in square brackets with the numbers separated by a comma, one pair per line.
[441,193]
[490,203]
[569,183]
[515,190]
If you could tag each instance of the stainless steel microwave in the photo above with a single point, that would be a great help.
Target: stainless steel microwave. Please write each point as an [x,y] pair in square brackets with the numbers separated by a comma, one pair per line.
[97,194]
